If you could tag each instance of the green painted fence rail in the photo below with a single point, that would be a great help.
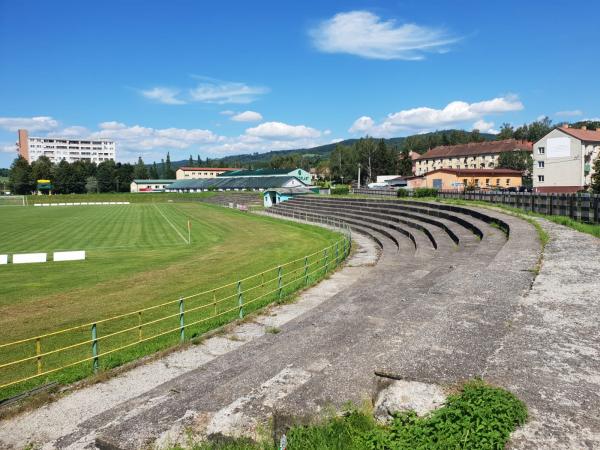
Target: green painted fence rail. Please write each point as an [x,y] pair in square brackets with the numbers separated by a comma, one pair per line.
[91,347]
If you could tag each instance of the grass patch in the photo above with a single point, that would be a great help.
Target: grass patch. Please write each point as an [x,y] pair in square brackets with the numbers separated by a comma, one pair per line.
[273,330]
[479,416]
[137,259]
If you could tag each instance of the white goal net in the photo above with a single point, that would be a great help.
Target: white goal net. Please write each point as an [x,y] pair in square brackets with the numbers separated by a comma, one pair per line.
[13,200]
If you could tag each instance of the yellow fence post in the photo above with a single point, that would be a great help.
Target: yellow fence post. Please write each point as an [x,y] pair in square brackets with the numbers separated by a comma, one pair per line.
[38,352]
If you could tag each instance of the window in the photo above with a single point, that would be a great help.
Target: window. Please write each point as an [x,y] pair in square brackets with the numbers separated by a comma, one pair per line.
[487,181]
[508,181]
[541,164]
[465,182]
[541,178]
[541,150]
[497,181]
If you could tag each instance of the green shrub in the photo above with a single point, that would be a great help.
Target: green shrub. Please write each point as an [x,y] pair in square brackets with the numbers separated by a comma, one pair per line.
[478,417]
[402,193]
[340,190]
[425,192]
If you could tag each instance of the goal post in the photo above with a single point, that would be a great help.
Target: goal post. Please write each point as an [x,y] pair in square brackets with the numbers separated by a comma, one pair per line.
[13,200]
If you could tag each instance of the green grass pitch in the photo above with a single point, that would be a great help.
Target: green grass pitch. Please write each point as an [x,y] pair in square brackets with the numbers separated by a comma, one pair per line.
[137,256]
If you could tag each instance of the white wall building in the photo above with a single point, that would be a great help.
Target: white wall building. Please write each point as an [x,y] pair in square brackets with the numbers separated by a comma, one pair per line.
[563,160]
[71,150]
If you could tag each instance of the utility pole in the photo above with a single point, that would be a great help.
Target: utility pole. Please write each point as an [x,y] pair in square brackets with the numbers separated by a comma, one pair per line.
[359,176]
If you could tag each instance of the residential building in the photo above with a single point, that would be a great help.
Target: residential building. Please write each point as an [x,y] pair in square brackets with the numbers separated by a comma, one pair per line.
[149,185]
[458,179]
[474,155]
[195,173]
[300,174]
[71,150]
[564,159]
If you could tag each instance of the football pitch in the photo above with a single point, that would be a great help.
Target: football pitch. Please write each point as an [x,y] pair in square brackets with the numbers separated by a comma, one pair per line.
[138,255]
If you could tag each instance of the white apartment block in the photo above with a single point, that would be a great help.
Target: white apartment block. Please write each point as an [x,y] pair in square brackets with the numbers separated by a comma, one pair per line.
[564,160]
[71,150]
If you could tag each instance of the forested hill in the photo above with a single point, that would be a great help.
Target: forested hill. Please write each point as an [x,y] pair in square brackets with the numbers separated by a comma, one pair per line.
[418,142]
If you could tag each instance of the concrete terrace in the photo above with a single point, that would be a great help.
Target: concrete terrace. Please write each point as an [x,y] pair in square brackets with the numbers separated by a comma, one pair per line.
[453,296]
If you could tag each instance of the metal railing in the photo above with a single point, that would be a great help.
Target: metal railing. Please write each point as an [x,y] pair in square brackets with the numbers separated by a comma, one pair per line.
[34,360]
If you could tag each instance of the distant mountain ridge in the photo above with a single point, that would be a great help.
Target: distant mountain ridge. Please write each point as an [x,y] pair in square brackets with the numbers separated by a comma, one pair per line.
[260,159]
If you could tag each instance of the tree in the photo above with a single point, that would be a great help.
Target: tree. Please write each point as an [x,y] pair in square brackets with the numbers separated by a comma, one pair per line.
[405,163]
[106,176]
[41,169]
[596,177]
[516,160]
[140,171]
[506,132]
[191,162]
[199,160]
[20,180]
[153,172]
[168,173]
[91,185]
[123,177]
[65,179]
[539,129]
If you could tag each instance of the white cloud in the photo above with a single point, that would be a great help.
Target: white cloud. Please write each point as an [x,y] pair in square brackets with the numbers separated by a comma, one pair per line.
[152,143]
[38,123]
[485,127]
[362,124]
[425,118]
[227,112]
[571,113]
[71,132]
[165,95]
[248,116]
[221,92]
[365,34]
[7,148]
[282,131]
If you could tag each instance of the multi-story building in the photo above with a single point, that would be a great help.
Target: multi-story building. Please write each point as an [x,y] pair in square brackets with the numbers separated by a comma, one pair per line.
[474,155]
[196,173]
[459,179]
[71,150]
[564,159]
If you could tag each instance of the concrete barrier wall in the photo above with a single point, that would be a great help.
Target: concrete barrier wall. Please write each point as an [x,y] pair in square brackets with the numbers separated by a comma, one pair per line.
[69,256]
[24,258]
[82,204]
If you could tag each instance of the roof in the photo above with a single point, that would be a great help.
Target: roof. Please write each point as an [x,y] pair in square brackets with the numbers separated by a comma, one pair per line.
[294,190]
[581,134]
[477,172]
[260,172]
[214,169]
[477,148]
[234,183]
[153,181]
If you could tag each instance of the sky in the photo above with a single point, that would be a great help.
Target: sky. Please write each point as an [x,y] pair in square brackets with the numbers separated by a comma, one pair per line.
[215,78]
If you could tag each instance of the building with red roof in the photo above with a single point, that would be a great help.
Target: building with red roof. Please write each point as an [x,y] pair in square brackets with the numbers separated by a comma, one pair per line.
[564,159]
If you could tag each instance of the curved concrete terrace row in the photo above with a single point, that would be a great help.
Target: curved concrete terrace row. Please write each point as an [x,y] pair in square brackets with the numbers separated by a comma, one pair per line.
[425,314]
[428,228]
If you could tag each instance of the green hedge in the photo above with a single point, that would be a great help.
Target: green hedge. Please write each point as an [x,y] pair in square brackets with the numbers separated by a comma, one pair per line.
[425,192]
[340,190]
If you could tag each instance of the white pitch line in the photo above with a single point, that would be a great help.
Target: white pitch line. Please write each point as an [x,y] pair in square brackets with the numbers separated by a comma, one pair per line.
[171,223]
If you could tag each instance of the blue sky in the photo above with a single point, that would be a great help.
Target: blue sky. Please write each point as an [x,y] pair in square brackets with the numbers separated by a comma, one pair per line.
[227,77]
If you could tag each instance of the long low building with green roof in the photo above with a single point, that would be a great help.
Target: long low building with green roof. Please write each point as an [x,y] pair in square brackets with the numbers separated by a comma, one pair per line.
[301,174]
[236,183]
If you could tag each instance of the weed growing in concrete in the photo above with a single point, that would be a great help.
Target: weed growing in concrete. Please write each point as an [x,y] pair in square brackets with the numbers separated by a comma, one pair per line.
[479,416]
